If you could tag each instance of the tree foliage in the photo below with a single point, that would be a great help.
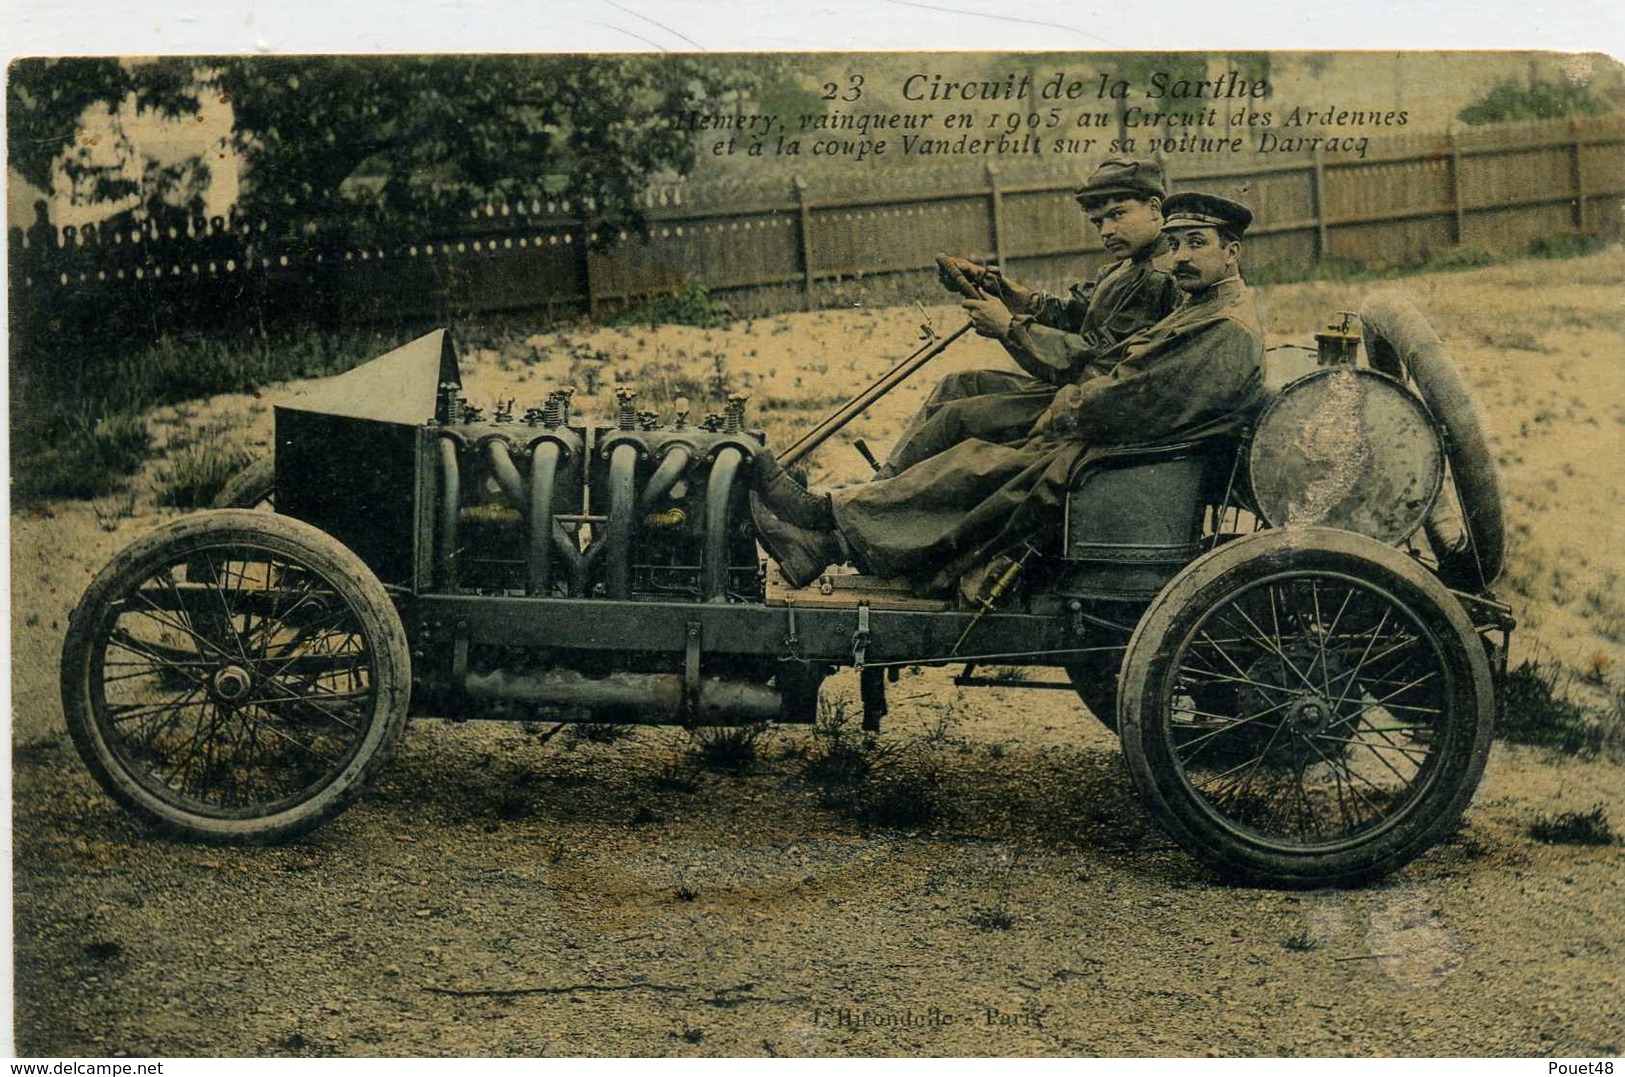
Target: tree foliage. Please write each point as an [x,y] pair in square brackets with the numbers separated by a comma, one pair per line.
[1539,100]
[46,101]
[346,147]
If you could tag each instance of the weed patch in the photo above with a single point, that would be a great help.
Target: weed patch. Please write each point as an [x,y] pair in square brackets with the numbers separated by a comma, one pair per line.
[1537,709]
[693,305]
[728,749]
[1456,259]
[78,454]
[1566,245]
[581,733]
[1301,943]
[675,778]
[841,759]
[198,472]
[76,418]
[1574,828]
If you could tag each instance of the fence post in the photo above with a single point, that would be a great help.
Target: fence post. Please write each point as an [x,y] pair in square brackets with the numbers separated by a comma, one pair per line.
[1317,187]
[584,265]
[1577,148]
[995,199]
[1457,212]
[804,228]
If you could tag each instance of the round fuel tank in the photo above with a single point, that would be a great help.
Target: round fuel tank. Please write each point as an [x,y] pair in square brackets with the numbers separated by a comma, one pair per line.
[1347,448]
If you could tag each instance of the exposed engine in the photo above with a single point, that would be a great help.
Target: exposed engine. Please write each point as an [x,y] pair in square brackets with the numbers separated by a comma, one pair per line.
[630,507]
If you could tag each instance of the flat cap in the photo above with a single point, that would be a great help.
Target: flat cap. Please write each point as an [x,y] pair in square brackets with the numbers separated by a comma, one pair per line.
[1122,176]
[1193,209]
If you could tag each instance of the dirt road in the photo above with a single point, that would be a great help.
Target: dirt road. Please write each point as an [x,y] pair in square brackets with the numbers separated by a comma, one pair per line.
[991,887]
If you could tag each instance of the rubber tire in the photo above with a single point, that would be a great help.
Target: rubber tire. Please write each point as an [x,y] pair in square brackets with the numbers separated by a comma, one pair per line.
[349,577]
[1465,746]
[1400,342]
[254,487]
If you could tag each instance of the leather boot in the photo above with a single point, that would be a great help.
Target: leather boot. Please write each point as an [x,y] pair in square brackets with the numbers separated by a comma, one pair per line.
[787,499]
[802,553]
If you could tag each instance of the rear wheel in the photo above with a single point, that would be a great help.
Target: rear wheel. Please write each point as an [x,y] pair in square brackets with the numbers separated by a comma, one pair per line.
[236,676]
[1306,707]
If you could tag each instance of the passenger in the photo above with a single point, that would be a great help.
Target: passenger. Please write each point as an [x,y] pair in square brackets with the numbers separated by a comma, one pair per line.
[1055,339]
[1197,372]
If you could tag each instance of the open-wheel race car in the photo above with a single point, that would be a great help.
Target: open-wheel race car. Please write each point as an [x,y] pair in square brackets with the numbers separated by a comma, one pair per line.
[1291,631]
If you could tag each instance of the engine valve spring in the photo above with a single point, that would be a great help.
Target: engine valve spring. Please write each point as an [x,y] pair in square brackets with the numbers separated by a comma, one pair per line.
[626,410]
[734,414]
[449,405]
[556,412]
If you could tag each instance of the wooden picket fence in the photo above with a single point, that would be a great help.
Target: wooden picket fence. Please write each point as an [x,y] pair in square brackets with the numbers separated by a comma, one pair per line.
[1412,198]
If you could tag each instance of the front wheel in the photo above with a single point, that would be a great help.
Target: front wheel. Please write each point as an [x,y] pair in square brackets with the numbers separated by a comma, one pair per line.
[1306,707]
[235,676]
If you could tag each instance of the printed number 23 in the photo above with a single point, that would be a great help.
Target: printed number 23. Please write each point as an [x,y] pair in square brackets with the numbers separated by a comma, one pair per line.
[853,91]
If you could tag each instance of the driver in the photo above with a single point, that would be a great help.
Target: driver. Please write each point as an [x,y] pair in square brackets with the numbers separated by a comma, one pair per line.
[1054,339]
[1197,372]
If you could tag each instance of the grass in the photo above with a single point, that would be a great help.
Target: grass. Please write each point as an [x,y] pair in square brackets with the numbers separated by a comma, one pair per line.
[597,733]
[726,749]
[1301,943]
[1574,828]
[1538,709]
[77,406]
[78,401]
[840,761]
[1339,268]
[76,453]
[860,778]
[197,473]
[694,305]
[996,915]
[1566,245]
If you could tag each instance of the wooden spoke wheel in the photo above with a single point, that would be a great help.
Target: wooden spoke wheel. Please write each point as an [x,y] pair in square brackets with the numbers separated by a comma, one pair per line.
[235,675]
[1306,707]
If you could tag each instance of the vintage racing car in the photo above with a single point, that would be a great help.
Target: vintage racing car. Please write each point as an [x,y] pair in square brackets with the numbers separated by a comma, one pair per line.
[1292,632]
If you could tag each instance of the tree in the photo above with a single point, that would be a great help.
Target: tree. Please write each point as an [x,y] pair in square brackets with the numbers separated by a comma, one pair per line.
[46,102]
[1540,100]
[1138,69]
[346,148]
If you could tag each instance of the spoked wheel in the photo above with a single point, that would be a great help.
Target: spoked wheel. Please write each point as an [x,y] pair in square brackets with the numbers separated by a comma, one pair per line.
[1306,708]
[254,487]
[236,676]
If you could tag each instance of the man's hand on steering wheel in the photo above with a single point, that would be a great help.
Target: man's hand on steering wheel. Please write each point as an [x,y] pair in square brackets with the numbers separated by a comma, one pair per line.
[961,276]
[990,317]
[1017,296]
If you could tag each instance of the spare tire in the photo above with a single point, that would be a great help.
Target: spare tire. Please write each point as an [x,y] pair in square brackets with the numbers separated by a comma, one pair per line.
[1399,341]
